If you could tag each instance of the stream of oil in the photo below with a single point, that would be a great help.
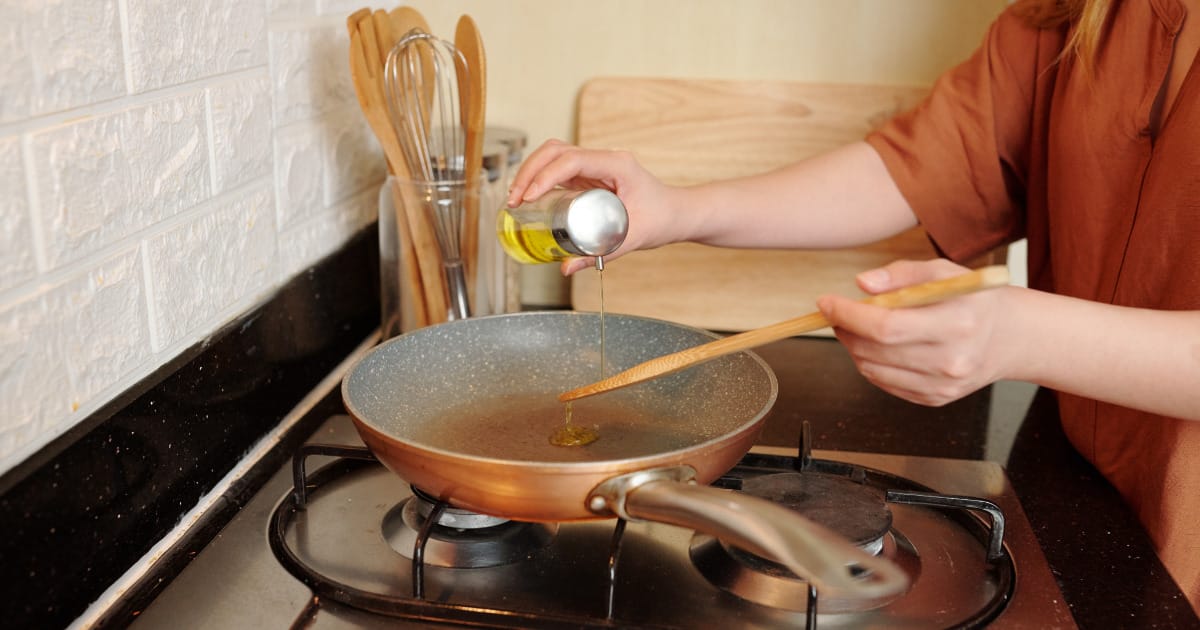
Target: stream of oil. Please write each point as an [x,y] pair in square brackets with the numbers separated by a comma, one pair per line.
[574,434]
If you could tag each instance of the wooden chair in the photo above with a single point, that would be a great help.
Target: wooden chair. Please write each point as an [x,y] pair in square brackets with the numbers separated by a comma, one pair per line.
[692,130]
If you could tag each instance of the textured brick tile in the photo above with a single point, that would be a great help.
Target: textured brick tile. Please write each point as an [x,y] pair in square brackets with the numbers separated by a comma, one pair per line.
[74,44]
[101,179]
[338,7]
[284,9]
[107,333]
[299,171]
[241,119]
[310,72]
[312,240]
[17,262]
[16,65]
[174,42]
[206,265]
[60,348]
[353,159]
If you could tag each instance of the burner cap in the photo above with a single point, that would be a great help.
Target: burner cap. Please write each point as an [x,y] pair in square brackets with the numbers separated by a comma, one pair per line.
[451,516]
[856,511]
[457,547]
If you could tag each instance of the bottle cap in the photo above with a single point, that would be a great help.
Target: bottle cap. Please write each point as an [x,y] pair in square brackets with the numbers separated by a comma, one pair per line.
[595,223]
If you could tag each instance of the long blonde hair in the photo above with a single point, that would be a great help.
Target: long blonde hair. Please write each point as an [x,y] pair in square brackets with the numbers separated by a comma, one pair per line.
[1087,16]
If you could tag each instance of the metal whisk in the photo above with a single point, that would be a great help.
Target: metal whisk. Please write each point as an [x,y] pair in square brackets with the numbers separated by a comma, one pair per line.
[422,76]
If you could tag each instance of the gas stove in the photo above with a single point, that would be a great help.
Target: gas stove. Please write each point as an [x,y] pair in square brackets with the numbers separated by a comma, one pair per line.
[336,540]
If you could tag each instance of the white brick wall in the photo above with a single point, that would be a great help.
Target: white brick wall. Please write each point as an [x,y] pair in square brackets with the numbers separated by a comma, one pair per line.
[163,167]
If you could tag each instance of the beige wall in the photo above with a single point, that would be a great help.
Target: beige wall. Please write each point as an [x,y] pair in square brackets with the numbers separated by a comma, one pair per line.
[541,51]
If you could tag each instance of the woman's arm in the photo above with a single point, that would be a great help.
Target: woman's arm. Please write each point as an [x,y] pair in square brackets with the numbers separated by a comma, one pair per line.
[842,198]
[1137,358]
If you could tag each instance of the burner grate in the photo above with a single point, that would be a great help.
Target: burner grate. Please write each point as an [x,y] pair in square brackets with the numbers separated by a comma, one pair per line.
[416,607]
[753,471]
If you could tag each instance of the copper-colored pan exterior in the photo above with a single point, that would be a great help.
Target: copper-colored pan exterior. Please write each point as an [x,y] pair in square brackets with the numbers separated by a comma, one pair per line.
[535,493]
[706,417]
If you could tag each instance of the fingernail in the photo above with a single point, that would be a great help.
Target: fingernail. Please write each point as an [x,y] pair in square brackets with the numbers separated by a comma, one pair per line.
[823,303]
[874,278]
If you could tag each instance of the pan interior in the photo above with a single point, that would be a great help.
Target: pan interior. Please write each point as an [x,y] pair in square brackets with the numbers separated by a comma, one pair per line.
[487,388]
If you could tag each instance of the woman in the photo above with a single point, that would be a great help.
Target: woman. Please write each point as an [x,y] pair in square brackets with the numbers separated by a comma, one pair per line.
[1076,125]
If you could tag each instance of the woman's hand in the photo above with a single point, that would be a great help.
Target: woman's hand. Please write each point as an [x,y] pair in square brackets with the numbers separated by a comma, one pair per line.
[648,200]
[932,354]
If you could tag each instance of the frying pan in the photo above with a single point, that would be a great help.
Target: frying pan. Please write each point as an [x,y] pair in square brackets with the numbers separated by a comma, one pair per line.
[464,411]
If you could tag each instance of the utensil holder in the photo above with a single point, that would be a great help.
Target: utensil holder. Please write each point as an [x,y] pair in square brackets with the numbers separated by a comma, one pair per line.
[406,264]
[396,287]
[503,274]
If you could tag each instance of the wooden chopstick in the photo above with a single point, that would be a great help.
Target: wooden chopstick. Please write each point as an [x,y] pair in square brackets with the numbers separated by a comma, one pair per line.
[916,295]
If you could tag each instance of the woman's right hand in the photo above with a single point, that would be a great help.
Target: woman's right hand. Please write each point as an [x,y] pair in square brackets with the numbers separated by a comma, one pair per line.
[648,201]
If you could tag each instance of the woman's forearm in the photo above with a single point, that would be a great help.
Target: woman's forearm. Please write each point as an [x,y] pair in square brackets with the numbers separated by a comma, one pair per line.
[842,198]
[1138,358]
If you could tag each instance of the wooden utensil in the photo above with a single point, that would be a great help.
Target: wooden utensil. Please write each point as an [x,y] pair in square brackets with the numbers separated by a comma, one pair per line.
[472,81]
[916,295]
[366,74]
[404,20]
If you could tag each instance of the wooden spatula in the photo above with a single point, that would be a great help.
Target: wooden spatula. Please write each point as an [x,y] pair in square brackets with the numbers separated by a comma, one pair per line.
[472,81]
[916,295]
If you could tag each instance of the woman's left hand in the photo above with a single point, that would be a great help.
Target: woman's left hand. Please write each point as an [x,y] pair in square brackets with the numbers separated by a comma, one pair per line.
[932,354]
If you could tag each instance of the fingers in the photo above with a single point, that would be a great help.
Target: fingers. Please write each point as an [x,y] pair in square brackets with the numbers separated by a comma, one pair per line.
[913,386]
[556,163]
[531,167]
[924,373]
[903,273]
[879,324]
[930,354]
[573,264]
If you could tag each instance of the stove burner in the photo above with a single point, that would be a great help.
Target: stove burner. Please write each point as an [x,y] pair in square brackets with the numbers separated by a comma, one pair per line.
[463,539]
[859,513]
[856,511]
[451,516]
[762,581]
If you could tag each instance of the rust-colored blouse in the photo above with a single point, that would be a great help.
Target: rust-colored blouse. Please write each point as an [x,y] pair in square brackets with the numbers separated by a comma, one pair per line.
[1015,143]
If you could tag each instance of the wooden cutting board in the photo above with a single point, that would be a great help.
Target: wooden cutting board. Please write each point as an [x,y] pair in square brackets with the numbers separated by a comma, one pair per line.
[694,130]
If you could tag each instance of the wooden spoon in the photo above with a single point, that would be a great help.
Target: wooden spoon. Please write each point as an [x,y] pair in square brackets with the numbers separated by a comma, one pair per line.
[365,71]
[405,19]
[472,81]
[916,295]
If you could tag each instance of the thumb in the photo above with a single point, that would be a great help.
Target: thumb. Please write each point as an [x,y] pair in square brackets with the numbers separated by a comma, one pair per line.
[575,263]
[903,273]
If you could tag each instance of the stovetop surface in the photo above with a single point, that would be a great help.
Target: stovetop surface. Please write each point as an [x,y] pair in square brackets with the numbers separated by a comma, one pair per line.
[237,581]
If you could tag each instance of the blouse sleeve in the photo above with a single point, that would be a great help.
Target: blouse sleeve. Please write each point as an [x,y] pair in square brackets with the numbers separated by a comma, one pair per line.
[961,157]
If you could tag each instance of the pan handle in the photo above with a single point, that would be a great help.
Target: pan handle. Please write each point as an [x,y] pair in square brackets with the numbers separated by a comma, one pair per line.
[814,553]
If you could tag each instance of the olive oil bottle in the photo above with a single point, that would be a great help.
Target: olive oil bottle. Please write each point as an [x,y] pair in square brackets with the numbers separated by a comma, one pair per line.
[563,223]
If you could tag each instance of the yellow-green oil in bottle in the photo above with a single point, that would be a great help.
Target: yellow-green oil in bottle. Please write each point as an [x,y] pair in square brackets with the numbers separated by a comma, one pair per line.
[530,241]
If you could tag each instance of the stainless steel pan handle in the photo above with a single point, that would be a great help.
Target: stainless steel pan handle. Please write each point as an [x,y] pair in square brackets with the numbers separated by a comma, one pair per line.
[832,564]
